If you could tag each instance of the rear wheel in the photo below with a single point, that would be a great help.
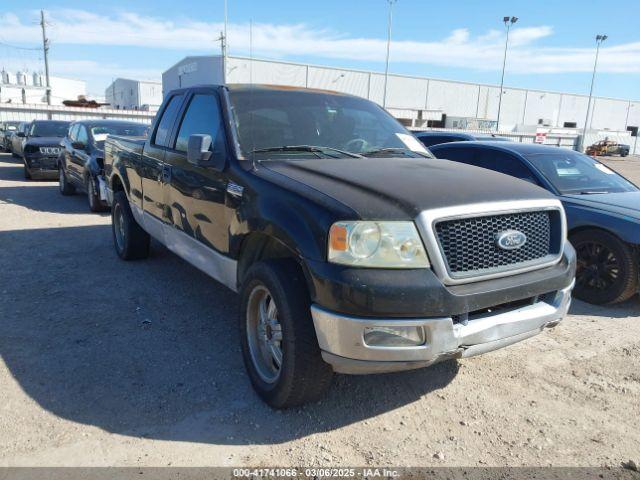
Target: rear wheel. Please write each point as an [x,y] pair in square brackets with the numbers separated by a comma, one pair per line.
[129,239]
[279,344]
[607,270]
[65,187]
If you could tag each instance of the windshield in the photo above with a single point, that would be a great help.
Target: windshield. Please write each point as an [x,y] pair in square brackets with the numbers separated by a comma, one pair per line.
[100,132]
[306,124]
[574,173]
[49,129]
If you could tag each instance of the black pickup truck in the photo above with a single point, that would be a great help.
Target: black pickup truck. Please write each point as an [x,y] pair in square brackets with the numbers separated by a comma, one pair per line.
[353,250]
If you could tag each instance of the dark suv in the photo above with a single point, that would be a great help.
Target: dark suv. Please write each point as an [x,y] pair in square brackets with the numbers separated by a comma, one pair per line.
[81,161]
[41,148]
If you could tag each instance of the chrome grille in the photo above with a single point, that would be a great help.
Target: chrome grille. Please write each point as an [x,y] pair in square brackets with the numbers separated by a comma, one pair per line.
[50,150]
[469,245]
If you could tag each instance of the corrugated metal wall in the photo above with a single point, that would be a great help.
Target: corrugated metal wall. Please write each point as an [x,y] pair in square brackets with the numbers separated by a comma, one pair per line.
[458,99]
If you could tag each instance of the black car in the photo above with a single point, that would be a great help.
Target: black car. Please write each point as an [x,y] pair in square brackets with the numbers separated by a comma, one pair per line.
[431,138]
[6,131]
[41,148]
[603,209]
[352,248]
[81,160]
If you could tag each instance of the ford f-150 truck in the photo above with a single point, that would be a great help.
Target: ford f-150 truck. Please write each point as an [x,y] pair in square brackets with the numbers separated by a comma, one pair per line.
[352,249]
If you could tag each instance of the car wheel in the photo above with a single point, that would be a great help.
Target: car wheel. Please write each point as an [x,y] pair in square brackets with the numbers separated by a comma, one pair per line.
[95,204]
[63,183]
[279,344]
[27,173]
[130,240]
[607,269]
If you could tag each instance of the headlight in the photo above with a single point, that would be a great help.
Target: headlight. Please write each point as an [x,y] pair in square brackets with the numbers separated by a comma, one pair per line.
[377,244]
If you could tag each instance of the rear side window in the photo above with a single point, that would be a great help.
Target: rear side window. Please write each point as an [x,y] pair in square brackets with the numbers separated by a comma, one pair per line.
[163,132]
[429,141]
[490,159]
[202,117]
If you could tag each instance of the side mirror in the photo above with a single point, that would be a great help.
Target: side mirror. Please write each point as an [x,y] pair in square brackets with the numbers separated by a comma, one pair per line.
[78,145]
[21,134]
[198,152]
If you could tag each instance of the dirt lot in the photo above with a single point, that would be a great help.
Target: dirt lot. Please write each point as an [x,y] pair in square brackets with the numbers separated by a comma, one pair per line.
[113,363]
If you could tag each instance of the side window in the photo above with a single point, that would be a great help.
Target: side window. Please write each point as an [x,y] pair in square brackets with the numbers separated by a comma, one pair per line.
[202,117]
[462,155]
[430,140]
[163,132]
[82,136]
[73,132]
[504,163]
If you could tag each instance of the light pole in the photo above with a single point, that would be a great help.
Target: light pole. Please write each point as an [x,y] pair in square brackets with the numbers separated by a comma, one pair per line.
[386,68]
[599,40]
[508,22]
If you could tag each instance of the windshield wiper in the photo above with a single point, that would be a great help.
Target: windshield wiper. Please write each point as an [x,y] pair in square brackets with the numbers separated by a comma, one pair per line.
[305,148]
[401,150]
[591,192]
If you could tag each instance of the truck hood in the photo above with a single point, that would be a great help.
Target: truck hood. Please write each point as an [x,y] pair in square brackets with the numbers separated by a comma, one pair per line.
[44,141]
[400,188]
[625,203]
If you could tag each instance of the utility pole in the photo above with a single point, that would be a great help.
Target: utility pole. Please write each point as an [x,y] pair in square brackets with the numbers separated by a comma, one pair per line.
[386,68]
[508,22]
[599,40]
[45,47]
[223,45]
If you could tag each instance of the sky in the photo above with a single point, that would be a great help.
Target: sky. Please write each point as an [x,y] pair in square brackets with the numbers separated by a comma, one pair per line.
[552,46]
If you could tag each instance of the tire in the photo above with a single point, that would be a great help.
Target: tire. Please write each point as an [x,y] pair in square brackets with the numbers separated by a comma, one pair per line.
[129,239]
[95,204]
[303,376]
[607,269]
[27,173]
[63,183]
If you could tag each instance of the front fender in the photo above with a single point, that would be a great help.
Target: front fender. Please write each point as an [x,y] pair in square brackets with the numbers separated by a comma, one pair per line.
[625,227]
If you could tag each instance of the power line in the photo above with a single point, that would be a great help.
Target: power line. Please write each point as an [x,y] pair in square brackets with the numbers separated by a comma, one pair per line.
[5,44]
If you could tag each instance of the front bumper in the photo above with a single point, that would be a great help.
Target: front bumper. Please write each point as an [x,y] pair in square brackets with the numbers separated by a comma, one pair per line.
[341,337]
[41,166]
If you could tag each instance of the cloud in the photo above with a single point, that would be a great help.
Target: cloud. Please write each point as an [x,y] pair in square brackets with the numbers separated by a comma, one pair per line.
[460,49]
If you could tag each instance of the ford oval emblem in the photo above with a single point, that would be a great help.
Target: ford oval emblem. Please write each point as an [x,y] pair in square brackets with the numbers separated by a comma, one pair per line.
[511,239]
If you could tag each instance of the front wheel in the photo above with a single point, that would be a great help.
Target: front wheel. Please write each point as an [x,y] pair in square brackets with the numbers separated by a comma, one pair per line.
[95,204]
[130,240]
[279,344]
[27,173]
[63,183]
[607,269]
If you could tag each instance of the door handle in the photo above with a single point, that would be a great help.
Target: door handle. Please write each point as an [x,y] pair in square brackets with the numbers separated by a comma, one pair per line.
[166,173]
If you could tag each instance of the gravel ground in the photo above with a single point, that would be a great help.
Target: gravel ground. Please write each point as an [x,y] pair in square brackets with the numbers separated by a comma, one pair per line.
[137,364]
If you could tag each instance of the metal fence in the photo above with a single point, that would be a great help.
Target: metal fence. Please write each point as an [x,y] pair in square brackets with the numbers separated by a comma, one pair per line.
[27,112]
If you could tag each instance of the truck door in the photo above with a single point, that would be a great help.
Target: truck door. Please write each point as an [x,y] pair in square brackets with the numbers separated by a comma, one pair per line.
[196,195]
[153,173]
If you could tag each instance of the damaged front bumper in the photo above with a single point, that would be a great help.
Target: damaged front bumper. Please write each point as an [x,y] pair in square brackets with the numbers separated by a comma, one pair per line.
[342,338]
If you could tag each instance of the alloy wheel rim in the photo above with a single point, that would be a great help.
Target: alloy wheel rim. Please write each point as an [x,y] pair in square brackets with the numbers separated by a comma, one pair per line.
[264,334]
[598,268]
[118,226]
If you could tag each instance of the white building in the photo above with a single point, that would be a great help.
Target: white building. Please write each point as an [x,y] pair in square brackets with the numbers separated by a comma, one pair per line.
[191,71]
[29,88]
[127,94]
[422,101]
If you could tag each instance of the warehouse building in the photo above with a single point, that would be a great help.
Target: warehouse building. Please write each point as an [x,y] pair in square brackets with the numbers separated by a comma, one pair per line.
[127,94]
[30,88]
[422,101]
